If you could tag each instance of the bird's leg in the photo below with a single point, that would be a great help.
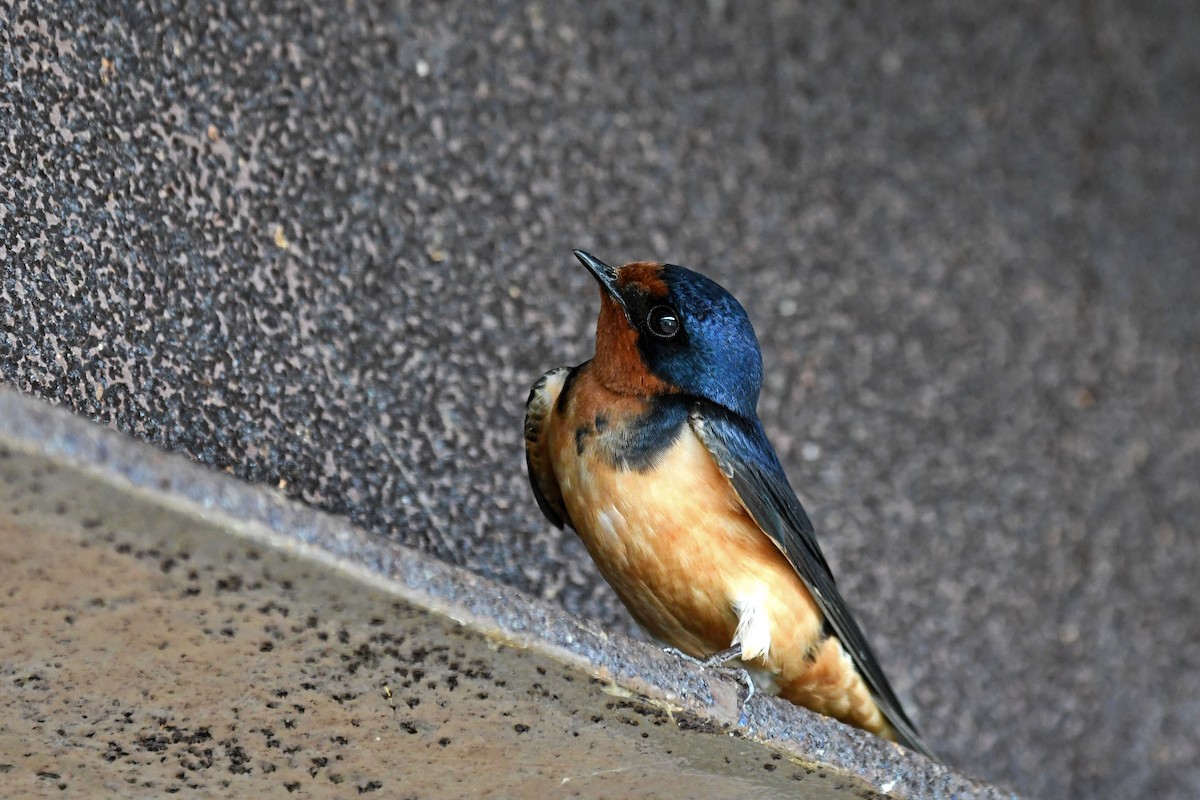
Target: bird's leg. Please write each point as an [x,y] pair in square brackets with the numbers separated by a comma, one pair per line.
[717,661]
[722,657]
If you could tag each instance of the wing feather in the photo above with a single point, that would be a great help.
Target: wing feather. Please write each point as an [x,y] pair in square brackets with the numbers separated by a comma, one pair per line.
[746,458]
[538,408]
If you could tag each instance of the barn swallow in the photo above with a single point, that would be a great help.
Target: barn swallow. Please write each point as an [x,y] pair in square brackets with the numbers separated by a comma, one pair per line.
[653,453]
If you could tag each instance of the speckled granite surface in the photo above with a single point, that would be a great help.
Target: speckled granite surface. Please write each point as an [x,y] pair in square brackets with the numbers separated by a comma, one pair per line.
[326,248]
[165,630]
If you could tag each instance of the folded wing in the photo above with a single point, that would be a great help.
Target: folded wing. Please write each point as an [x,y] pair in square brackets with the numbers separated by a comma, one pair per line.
[542,398]
[746,458]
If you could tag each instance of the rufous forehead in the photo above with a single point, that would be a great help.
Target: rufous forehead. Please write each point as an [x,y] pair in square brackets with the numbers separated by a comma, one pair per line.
[644,275]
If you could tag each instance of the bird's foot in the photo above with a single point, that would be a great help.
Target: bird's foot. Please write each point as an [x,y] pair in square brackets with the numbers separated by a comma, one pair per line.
[718,659]
[717,663]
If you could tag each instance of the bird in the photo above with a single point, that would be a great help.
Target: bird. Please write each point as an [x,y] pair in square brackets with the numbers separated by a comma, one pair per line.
[653,452]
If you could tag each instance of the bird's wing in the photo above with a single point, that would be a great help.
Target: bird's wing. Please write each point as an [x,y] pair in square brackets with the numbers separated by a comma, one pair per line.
[542,398]
[745,457]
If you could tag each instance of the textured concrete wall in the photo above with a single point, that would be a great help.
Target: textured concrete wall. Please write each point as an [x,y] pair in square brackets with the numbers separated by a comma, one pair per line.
[325,246]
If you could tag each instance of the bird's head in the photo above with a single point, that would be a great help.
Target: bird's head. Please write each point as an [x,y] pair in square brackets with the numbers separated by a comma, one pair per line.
[665,329]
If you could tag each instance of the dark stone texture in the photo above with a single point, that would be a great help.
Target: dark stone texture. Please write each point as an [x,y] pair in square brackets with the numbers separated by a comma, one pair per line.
[326,247]
[84,493]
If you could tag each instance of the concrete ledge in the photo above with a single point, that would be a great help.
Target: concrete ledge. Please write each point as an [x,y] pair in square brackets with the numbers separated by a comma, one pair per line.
[62,476]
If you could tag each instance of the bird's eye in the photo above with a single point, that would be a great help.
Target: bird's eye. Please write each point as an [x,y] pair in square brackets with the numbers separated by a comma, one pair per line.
[663,321]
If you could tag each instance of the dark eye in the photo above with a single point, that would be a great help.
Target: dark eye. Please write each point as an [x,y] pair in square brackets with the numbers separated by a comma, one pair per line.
[663,321]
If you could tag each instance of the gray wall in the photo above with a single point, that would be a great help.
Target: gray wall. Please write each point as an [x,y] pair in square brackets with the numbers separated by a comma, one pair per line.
[325,246]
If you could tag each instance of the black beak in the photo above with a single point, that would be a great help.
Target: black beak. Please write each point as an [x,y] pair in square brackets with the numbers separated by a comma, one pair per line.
[606,275]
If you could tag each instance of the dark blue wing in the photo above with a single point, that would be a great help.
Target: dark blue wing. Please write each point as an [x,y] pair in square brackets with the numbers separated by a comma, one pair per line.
[746,458]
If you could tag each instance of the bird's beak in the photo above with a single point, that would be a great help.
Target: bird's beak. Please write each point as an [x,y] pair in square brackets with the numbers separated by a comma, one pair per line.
[603,273]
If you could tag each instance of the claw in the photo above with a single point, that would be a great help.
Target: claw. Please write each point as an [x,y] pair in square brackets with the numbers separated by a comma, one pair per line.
[674,651]
[744,676]
[717,663]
